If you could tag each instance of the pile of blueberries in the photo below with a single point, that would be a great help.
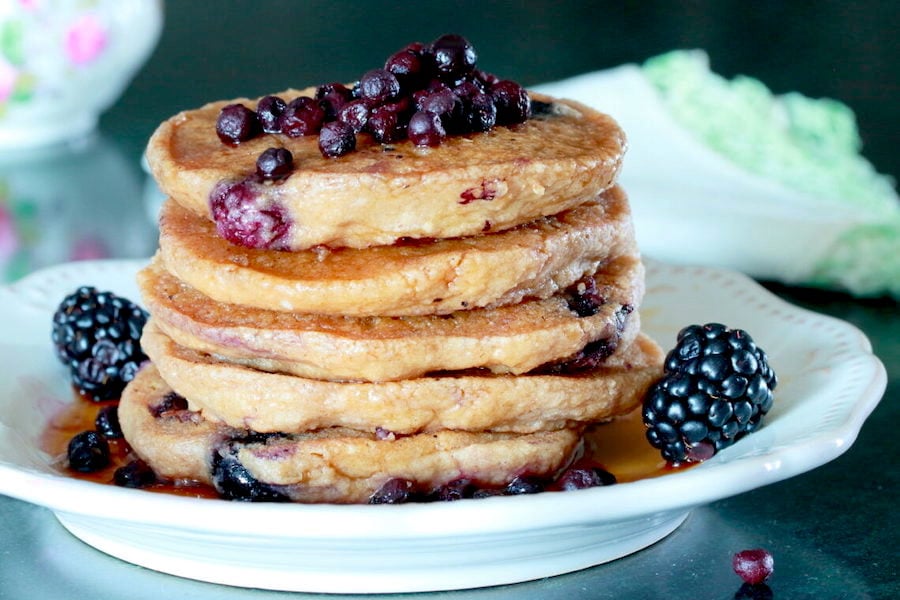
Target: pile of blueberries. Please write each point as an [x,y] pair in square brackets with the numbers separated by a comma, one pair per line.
[424,93]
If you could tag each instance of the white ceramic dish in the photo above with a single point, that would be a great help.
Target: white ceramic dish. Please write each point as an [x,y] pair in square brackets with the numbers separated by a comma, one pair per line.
[829,383]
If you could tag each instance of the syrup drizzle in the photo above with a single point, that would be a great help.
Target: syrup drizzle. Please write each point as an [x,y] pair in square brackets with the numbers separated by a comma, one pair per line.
[619,447]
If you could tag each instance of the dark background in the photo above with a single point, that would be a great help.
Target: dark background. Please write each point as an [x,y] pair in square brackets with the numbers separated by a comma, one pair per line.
[217,50]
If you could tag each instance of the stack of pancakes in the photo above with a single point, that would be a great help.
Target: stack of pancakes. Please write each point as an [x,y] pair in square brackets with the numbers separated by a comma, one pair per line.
[428,316]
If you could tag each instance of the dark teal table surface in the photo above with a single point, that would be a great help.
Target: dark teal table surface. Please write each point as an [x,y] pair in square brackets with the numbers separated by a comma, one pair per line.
[833,531]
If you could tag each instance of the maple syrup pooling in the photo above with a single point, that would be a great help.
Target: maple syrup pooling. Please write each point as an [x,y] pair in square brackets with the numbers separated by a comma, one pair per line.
[618,447]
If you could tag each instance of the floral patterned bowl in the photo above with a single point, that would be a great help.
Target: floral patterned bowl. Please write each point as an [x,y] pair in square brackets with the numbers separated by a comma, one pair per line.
[62,63]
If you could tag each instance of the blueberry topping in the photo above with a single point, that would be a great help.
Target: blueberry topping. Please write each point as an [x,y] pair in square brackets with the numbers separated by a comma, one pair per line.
[268,110]
[233,481]
[716,388]
[583,297]
[453,490]
[336,139]
[243,218]
[481,112]
[453,56]
[107,422]
[332,97]
[407,66]
[88,452]
[386,124]
[97,335]
[136,474]
[425,129]
[275,163]
[579,477]
[523,485]
[440,78]
[170,403]
[378,87]
[393,491]
[355,114]
[236,124]
[302,116]
[512,102]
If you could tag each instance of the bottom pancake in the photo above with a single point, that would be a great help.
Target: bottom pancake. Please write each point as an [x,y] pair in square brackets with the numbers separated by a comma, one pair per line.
[472,401]
[335,465]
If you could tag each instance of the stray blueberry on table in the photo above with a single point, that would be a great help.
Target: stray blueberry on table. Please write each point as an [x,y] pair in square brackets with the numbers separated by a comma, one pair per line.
[753,566]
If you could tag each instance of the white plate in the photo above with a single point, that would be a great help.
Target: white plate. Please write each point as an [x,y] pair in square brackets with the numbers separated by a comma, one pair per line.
[829,383]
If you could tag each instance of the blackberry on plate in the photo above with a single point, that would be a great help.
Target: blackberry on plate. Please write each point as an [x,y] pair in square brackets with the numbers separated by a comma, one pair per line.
[716,388]
[98,336]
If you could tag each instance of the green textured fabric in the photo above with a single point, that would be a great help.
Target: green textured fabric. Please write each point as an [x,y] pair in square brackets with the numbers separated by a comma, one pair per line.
[809,145]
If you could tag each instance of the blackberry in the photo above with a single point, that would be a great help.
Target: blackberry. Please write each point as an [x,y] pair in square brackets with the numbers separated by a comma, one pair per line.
[716,388]
[98,336]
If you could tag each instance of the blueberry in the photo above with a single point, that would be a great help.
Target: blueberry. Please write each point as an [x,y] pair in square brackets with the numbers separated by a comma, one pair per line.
[275,163]
[332,97]
[582,477]
[234,482]
[136,474]
[88,451]
[237,123]
[355,114]
[302,116]
[268,110]
[386,125]
[583,297]
[336,139]
[512,102]
[425,129]
[243,218]
[523,485]
[453,56]
[393,491]
[378,86]
[107,422]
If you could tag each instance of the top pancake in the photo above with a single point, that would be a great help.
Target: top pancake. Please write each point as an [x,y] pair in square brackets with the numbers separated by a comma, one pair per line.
[380,193]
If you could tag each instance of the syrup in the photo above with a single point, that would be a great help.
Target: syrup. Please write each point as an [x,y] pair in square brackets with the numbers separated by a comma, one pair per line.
[618,447]
[79,416]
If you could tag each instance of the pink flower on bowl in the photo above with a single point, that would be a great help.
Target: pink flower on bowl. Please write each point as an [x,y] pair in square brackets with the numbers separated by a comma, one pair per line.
[8,76]
[86,39]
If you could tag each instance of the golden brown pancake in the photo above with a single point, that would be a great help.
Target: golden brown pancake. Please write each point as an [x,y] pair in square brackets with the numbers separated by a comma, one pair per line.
[471,401]
[335,465]
[508,339]
[382,193]
[535,260]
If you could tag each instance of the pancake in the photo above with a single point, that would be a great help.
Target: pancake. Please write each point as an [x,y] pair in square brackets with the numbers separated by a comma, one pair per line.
[334,465]
[535,260]
[381,193]
[471,401]
[508,339]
